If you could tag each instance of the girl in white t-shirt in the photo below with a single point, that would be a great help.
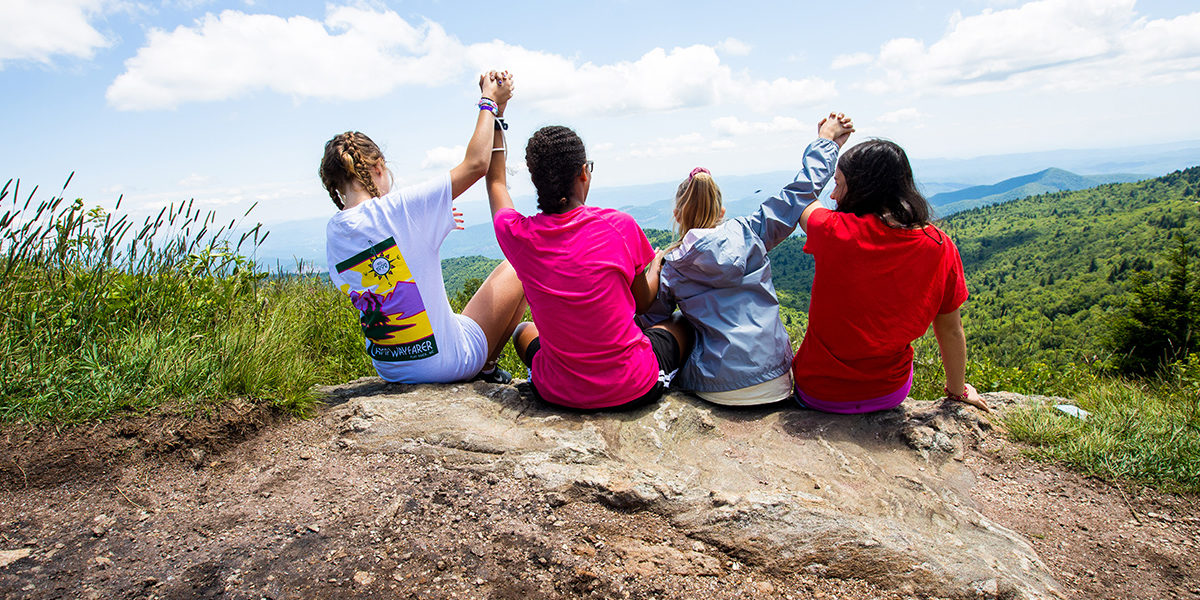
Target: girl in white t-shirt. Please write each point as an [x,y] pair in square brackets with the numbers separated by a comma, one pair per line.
[382,250]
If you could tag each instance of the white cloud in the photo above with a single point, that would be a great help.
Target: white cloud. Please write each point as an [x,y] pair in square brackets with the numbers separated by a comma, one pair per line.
[658,80]
[1050,44]
[194,180]
[233,54]
[770,96]
[901,116]
[734,126]
[734,47]
[356,53]
[688,143]
[187,4]
[443,157]
[212,197]
[843,61]
[41,29]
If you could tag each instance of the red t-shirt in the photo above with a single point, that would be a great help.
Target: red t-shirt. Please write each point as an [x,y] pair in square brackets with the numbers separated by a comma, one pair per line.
[876,289]
[577,268]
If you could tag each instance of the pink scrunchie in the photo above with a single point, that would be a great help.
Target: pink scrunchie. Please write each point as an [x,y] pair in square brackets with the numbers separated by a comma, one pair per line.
[698,170]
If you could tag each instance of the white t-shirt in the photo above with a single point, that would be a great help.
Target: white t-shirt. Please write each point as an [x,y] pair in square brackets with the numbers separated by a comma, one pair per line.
[383,253]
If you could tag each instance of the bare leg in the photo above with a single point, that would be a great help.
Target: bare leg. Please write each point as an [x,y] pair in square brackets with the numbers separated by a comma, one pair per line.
[510,331]
[681,330]
[497,307]
[523,336]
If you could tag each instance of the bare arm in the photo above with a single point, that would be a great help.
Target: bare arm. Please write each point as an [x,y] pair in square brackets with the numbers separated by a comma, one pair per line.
[479,149]
[645,284]
[808,213]
[497,178]
[836,127]
[952,342]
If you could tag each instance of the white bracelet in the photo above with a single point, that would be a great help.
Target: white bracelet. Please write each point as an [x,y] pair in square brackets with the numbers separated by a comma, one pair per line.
[502,127]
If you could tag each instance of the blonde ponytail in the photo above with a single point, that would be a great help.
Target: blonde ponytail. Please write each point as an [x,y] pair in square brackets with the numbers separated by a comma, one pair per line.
[697,205]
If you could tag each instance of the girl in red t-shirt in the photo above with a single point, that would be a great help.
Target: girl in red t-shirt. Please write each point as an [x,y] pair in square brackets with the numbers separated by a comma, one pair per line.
[884,274]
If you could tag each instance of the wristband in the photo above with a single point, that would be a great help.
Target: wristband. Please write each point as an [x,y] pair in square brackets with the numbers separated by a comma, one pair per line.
[501,126]
[488,104]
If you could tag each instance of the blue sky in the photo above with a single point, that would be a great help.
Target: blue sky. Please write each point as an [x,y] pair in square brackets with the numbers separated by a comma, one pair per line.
[231,102]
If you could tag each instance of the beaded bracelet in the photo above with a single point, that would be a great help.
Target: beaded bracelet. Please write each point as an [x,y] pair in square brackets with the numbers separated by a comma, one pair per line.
[488,104]
[953,396]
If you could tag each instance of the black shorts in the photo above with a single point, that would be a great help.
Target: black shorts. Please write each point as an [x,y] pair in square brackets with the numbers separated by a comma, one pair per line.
[666,351]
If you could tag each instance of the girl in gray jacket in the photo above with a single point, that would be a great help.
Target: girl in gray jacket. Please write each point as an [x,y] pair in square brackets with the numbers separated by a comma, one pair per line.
[718,275]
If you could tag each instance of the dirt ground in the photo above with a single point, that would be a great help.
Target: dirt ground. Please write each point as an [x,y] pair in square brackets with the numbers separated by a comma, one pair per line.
[250,504]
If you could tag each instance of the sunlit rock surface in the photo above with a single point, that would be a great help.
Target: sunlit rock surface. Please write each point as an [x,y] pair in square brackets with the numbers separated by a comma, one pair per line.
[881,497]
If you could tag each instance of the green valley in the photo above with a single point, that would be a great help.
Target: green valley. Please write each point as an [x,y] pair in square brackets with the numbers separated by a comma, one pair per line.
[1047,271]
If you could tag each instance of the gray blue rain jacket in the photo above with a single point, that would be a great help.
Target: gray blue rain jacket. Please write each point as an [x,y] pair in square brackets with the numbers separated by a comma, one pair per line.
[722,285]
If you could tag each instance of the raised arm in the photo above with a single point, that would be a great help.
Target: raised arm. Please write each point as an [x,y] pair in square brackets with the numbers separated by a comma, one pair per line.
[497,88]
[836,127]
[952,343]
[778,215]
[497,178]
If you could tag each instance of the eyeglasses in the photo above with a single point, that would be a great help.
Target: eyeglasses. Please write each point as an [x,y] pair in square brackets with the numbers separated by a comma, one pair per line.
[589,165]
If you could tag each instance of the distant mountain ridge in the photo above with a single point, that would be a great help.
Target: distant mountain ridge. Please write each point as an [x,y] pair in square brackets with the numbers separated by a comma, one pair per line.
[651,205]
[305,239]
[1048,180]
[1045,272]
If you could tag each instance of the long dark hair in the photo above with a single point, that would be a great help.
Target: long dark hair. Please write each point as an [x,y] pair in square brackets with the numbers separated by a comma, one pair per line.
[879,181]
[554,156]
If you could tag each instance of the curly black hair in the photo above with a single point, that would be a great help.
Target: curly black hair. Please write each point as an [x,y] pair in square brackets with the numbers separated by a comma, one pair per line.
[554,156]
[879,181]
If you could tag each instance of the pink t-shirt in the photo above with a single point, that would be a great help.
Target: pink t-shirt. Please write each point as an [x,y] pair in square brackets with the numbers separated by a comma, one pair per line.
[577,268]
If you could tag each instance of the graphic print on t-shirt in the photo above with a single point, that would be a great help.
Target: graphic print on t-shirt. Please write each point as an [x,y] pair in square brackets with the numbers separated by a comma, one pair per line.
[392,314]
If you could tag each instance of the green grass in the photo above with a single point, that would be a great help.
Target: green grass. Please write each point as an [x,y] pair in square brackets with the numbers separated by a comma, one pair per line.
[101,317]
[1147,432]
[271,342]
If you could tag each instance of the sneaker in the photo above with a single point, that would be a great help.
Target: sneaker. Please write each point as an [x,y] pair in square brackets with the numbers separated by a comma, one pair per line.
[497,375]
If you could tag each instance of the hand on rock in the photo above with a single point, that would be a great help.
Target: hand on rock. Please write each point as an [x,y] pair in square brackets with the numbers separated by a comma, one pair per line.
[973,398]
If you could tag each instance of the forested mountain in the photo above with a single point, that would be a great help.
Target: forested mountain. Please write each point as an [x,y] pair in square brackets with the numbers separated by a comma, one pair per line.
[458,270]
[1048,180]
[1045,272]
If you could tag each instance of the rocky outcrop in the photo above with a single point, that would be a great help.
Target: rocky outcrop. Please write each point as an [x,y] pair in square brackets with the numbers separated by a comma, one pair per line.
[883,497]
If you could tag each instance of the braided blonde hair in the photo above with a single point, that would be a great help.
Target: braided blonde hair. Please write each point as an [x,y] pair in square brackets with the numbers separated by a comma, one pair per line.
[349,157]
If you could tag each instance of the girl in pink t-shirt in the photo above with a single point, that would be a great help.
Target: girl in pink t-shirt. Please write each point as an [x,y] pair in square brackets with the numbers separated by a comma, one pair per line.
[584,273]
[884,274]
